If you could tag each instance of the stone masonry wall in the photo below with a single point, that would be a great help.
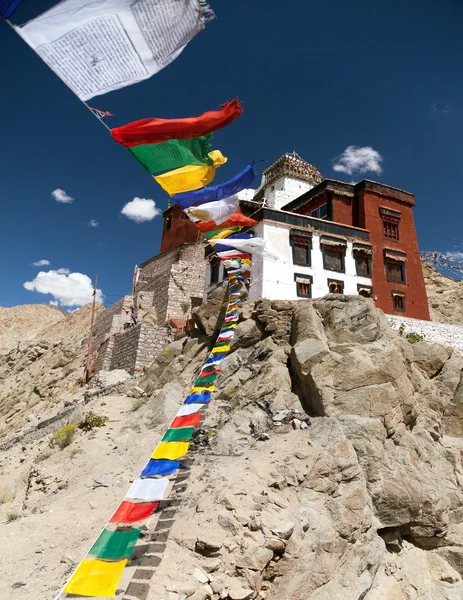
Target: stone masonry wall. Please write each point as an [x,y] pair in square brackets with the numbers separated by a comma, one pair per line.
[186,281]
[174,277]
[124,354]
[151,342]
[154,277]
[111,321]
[441,333]
[103,359]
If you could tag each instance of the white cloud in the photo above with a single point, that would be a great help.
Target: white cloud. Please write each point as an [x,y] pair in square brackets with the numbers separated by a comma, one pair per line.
[61,196]
[67,289]
[140,210]
[41,263]
[54,302]
[441,107]
[93,223]
[454,254]
[358,159]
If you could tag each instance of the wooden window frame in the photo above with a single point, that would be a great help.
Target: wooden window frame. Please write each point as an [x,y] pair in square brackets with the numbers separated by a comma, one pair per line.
[363,255]
[303,276]
[338,282]
[341,250]
[399,263]
[391,223]
[301,239]
[215,262]
[402,295]
[365,287]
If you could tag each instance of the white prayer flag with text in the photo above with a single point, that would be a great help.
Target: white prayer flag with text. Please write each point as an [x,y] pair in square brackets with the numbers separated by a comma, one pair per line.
[97,46]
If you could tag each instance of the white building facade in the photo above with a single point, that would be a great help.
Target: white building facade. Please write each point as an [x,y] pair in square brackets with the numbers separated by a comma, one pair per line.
[315,258]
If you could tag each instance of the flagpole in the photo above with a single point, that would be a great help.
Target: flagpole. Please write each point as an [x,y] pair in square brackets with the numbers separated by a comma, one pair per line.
[90,337]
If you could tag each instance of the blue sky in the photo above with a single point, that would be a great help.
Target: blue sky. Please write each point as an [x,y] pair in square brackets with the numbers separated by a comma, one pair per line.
[313,77]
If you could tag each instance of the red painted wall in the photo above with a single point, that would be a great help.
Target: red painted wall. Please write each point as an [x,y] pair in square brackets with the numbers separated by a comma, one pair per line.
[182,230]
[359,207]
[416,302]
[342,210]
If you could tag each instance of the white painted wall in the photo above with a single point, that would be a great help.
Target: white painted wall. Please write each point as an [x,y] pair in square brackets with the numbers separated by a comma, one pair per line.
[274,279]
[285,190]
[208,287]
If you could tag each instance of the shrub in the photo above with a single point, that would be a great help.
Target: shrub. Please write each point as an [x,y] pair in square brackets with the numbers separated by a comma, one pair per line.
[91,421]
[12,515]
[64,436]
[414,337]
[411,336]
[6,494]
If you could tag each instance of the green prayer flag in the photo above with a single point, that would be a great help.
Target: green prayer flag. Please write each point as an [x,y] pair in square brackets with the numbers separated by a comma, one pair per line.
[173,154]
[178,434]
[210,234]
[209,379]
[220,344]
[113,545]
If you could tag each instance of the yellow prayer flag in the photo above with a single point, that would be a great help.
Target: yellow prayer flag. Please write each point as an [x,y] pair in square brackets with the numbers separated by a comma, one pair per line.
[225,233]
[202,389]
[95,577]
[171,450]
[191,177]
[221,349]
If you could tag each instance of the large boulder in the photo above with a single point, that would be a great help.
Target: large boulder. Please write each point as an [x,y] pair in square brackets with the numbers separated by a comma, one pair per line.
[207,316]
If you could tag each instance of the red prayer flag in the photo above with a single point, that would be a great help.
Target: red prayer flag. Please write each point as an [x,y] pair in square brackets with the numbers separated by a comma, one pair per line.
[207,373]
[128,512]
[233,221]
[154,131]
[187,421]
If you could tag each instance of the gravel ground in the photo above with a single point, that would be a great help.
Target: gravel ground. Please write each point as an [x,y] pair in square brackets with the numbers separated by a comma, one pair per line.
[447,335]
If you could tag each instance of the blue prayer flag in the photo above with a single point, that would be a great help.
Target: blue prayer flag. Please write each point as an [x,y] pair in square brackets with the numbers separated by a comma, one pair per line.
[160,467]
[217,192]
[198,398]
[7,7]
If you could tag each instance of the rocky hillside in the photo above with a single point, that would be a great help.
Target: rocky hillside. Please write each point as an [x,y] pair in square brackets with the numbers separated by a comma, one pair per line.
[22,324]
[445,297]
[366,503]
[44,365]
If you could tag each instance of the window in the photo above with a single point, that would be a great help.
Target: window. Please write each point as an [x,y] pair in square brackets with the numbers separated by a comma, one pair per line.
[391,219]
[303,285]
[391,230]
[362,264]
[398,301]
[333,258]
[168,222]
[215,270]
[365,290]
[301,255]
[395,271]
[195,301]
[335,286]
[301,243]
[321,212]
